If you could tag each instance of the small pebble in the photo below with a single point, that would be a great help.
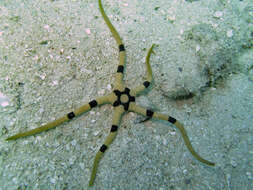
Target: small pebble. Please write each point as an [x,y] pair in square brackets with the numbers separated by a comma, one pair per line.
[229,33]
[95,133]
[73,143]
[197,48]
[3,100]
[55,82]
[249,175]
[233,163]
[165,142]
[172,133]
[171,18]
[46,27]
[218,14]
[109,87]
[87,31]
[101,92]
[52,180]
[81,166]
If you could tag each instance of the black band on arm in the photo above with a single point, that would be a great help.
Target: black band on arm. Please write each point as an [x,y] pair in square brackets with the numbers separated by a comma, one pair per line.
[93,103]
[103,148]
[149,113]
[114,128]
[121,47]
[146,84]
[120,69]
[71,115]
[172,120]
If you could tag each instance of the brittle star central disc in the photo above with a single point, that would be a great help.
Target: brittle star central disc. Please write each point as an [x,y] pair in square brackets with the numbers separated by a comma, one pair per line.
[124,98]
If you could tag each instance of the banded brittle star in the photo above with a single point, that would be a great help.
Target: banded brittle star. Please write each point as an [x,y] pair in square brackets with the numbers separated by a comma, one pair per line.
[123,100]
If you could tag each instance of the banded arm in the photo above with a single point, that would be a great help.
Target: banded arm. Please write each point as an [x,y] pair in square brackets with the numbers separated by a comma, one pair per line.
[122,53]
[118,111]
[67,117]
[137,90]
[151,114]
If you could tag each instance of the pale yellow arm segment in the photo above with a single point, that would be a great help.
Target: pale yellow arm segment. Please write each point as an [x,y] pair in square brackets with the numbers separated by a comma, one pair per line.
[109,24]
[137,90]
[118,111]
[149,70]
[122,53]
[67,117]
[150,113]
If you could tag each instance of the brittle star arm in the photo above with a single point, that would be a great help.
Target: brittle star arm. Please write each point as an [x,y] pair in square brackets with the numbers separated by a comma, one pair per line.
[137,90]
[118,111]
[67,117]
[122,53]
[150,113]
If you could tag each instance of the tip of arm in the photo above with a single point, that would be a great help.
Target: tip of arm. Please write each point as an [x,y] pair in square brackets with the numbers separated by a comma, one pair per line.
[209,163]
[9,139]
[91,183]
[12,138]
[149,77]
[17,136]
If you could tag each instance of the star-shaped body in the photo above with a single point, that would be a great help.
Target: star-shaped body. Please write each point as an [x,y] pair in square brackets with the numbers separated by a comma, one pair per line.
[122,99]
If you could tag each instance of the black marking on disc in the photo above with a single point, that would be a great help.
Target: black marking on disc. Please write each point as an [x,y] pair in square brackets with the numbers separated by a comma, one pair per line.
[118,101]
[71,115]
[132,99]
[93,103]
[146,84]
[114,128]
[121,47]
[117,92]
[120,69]
[126,105]
[127,90]
[149,113]
[103,148]
[172,120]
